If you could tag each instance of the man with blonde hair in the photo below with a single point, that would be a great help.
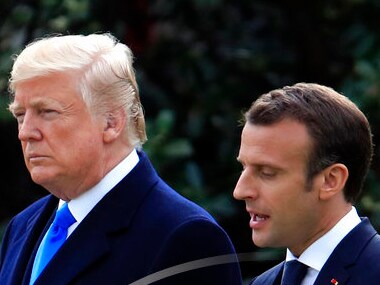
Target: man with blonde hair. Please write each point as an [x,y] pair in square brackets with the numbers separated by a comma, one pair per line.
[81,127]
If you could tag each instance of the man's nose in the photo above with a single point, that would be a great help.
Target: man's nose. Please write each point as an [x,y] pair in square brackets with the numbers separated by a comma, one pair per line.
[28,129]
[246,187]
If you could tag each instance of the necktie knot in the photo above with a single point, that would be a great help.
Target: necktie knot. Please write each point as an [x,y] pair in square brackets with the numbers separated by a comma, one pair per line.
[63,217]
[294,272]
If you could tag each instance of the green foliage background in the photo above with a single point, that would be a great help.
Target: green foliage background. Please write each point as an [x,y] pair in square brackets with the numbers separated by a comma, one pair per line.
[200,63]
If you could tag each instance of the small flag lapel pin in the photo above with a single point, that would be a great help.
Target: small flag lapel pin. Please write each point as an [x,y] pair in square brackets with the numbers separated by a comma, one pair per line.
[334,281]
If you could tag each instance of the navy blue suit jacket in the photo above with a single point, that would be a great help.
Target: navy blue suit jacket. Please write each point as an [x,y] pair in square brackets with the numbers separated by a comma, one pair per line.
[140,227]
[355,261]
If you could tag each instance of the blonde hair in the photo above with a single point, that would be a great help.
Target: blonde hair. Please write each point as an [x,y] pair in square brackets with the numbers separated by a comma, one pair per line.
[102,66]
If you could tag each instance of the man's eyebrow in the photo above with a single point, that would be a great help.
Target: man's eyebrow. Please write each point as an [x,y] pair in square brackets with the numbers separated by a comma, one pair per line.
[13,107]
[37,103]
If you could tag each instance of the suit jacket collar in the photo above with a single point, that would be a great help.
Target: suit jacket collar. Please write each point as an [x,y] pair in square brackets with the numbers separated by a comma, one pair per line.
[342,258]
[36,224]
[90,241]
[338,263]
[272,276]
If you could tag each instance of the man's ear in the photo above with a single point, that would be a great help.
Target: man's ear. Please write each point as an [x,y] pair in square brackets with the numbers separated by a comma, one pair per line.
[334,180]
[113,125]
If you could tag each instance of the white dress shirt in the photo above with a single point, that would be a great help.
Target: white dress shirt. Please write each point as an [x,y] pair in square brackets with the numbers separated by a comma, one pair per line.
[83,204]
[316,255]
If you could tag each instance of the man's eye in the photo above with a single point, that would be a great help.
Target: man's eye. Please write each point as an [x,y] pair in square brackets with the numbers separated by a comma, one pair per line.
[268,173]
[49,112]
[19,117]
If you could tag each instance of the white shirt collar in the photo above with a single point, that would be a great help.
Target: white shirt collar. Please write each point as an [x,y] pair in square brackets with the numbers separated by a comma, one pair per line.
[316,255]
[84,203]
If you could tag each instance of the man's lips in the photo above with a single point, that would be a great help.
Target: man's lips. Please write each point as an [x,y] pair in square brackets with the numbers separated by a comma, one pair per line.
[257,219]
[35,157]
[30,156]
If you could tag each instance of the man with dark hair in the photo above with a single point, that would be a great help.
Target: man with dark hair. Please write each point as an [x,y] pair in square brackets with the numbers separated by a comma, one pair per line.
[305,151]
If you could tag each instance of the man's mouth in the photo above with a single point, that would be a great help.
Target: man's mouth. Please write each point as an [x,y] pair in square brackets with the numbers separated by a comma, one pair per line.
[258,217]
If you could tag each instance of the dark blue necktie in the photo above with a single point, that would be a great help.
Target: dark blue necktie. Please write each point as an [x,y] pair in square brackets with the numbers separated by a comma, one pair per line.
[54,238]
[294,272]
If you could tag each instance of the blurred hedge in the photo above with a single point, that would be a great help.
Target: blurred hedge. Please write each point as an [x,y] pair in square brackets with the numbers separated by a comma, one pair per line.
[200,63]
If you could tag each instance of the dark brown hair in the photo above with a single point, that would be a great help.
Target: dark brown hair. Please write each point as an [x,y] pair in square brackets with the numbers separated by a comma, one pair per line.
[339,130]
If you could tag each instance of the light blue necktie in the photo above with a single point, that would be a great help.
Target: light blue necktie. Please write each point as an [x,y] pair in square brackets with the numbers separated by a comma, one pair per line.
[294,272]
[54,238]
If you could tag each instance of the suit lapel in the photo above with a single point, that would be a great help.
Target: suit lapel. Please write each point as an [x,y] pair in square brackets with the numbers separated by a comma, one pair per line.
[37,226]
[278,274]
[113,214]
[78,253]
[341,259]
[331,272]
[270,277]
